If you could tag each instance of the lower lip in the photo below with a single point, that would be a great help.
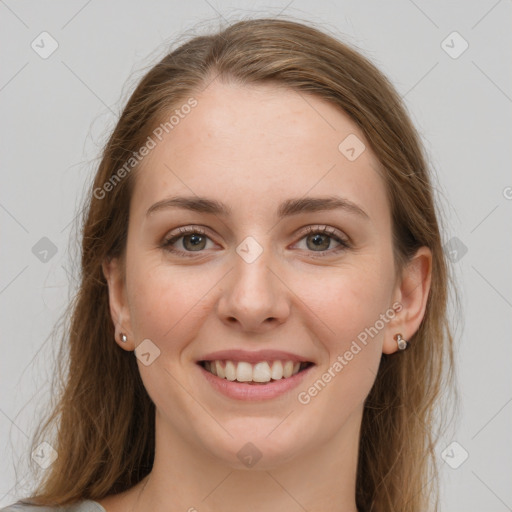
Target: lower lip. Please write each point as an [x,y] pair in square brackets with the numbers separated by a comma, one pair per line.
[242,391]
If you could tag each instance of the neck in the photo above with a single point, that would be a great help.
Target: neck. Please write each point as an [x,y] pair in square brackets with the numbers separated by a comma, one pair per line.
[185,478]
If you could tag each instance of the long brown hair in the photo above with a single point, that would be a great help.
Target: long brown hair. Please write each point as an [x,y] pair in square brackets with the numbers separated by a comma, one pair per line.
[103,414]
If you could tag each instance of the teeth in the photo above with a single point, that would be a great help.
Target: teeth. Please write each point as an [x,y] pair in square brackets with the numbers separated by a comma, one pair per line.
[287,369]
[263,371]
[220,370]
[244,372]
[277,370]
[229,370]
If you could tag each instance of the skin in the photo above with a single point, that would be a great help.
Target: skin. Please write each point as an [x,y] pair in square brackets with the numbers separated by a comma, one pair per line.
[252,148]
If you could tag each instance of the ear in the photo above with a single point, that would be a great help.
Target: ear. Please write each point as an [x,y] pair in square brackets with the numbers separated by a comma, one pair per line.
[411,293]
[119,311]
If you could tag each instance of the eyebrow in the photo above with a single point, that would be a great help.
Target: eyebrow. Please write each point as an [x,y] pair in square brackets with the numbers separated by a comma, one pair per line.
[287,208]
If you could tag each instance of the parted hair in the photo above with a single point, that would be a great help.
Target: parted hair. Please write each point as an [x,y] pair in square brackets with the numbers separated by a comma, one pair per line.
[102,420]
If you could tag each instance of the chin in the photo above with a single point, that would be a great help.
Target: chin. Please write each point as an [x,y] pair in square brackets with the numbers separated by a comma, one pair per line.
[266,449]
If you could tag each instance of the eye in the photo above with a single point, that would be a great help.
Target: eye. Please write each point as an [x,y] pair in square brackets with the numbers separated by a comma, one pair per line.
[194,240]
[319,238]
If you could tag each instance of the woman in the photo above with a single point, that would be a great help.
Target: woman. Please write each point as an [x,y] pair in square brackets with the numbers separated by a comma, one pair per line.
[262,236]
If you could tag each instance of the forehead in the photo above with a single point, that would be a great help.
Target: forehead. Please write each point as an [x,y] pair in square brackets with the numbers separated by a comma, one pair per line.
[255,145]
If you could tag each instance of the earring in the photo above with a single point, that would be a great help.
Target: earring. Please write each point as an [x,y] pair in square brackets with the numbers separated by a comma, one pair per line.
[401,342]
[123,337]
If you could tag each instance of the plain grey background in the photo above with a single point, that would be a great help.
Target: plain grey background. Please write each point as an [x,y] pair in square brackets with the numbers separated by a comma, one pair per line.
[57,110]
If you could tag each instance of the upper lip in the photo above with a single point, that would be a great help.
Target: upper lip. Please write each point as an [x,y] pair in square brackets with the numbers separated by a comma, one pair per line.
[253,357]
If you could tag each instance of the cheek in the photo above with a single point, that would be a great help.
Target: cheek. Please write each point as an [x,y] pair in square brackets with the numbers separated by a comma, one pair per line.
[165,305]
[165,302]
[349,300]
[353,343]
[352,308]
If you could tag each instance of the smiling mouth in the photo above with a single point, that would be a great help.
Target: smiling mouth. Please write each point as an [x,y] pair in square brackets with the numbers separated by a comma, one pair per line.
[262,372]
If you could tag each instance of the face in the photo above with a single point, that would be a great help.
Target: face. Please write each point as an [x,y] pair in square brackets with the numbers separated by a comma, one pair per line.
[259,283]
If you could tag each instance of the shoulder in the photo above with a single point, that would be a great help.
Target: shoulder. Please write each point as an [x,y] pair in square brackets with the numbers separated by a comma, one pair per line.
[81,506]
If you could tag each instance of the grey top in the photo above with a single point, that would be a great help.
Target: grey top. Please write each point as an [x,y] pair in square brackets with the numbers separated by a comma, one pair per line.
[81,506]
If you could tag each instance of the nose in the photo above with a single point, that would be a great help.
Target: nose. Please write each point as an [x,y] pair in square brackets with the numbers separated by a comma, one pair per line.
[254,297]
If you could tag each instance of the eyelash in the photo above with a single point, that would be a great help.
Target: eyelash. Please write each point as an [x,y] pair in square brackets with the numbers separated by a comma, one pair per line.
[324,230]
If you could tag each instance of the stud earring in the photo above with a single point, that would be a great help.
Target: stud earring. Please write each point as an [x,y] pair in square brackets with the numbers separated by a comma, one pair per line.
[401,342]
[123,337]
